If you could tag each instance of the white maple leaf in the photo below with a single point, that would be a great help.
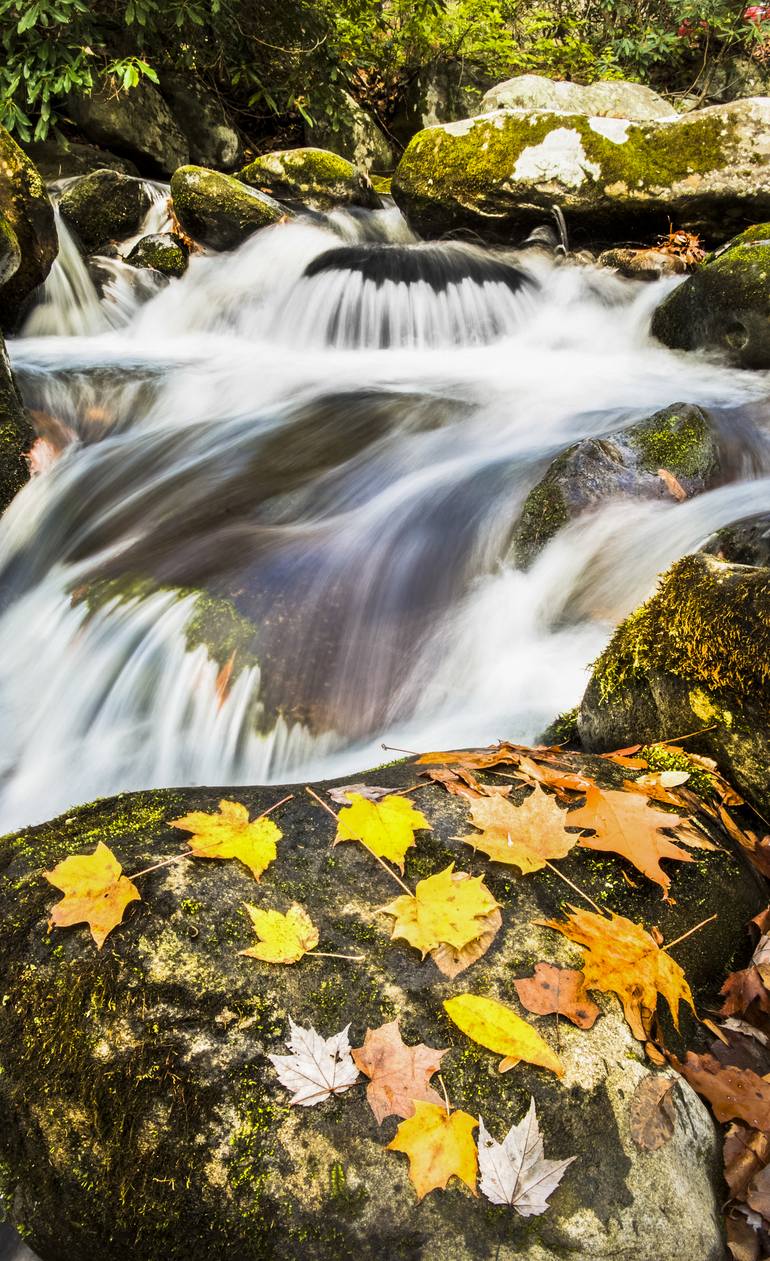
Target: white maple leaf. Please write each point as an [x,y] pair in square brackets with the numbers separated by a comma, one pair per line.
[515,1171]
[319,1067]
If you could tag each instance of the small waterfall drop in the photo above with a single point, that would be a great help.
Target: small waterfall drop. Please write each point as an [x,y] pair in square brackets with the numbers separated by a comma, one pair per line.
[277,530]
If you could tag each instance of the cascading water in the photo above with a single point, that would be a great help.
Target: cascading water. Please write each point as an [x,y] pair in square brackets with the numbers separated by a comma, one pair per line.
[330,433]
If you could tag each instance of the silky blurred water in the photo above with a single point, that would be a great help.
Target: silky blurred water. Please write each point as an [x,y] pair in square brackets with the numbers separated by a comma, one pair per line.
[341,454]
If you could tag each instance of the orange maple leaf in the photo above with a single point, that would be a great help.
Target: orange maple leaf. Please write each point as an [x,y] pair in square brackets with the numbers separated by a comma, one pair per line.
[625,824]
[399,1074]
[95,892]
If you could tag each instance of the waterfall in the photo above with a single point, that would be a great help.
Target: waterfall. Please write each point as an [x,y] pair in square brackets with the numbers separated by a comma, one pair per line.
[326,436]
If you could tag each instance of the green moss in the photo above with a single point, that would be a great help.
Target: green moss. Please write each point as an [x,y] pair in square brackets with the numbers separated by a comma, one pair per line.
[563,729]
[661,757]
[542,516]
[695,629]
[163,252]
[218,209]
[104,206]
[679,439]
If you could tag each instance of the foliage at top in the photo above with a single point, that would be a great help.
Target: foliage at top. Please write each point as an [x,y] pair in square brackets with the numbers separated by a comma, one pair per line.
[283,62]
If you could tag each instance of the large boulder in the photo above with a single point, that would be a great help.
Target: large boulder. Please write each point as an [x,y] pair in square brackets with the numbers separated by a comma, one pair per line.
[497,174]
[351,131]
[58,157]
[694,657]
[217,209]
[26,208]
[104,206]
[137,123]
[162,251]
[744,543]
[679,439]
[725,305]
[212,139]
[611,98]
[310,177]
[140,1116]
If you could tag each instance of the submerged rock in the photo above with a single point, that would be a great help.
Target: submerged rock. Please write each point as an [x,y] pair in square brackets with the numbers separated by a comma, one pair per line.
[16,434]
[353,133]
[104,206]
[696,655]
[310,177]
[679,439]
[725,305]
[609,98]
[218,210]
[137,123]
[140,1116]
[744,543]
[645,264]
[163,251]
[26,208]
[610,177]
[212,139]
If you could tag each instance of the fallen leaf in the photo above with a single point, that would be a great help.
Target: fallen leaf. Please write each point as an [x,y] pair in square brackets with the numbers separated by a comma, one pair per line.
[734,1093]
[317,1068]
[451,961]
[625,824]
[370,791]
[745,1153]
[230,834]
[652,1113]
[561,990]
[672,484]
[624,959]
[439,1145]
[758,1193]
[399,1074]
[499,1029]
[743,988]
[552,776]
[95,892]
[462,783]
[222,684]
[450,908]
[515,1172]
[385,827]
[283,938]
[742,1239]
[525,836]
[476,759]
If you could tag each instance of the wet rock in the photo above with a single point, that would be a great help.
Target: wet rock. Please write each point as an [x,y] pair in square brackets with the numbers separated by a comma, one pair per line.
[680,439]
[212,139]
[649,264]
[611,178]
[16,434]
[694,656]
[611,98]
[104,206]
[10,252]
[354,134]
[163,251]
[218,210]
[310,177]
[137,123]
[26,208]
[744,543]
[60,158]
[139,1115]
[725,305]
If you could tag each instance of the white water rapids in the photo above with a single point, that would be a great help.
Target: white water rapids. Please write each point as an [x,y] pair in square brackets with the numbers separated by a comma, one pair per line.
[342,456]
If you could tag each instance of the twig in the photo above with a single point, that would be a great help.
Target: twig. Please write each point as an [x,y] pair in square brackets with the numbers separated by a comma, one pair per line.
[178,858]
[382,863]
[270,809]
[690,735]
[566,880]
[321,802]
[391,748]
[689,932]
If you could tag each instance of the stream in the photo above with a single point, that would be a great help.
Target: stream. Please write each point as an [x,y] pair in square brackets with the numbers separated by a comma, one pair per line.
[334,428]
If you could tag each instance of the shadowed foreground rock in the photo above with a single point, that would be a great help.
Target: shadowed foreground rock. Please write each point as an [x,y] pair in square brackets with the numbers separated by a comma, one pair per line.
[696,655]
[139,1115]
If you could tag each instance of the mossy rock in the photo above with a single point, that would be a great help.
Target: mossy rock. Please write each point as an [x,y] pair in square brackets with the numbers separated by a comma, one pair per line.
[725,305]
[139,1115]
[218,210]
[104,206]
[26,208]
[16,434]
[613,98]
[680,439]
[743,543]
[10,251]
[163,251]
[345,127]
[316,178]
[695,656]
[138,124]
[501,174]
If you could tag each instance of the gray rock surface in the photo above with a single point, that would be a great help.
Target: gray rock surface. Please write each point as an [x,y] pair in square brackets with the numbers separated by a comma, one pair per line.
[218,210]
[211,136]
[353,134]
[138,124]
[611,98]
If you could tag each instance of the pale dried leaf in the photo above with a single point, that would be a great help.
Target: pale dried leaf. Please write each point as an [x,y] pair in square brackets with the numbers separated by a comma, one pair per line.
[318,1067]
[652,1112]
[515,1172]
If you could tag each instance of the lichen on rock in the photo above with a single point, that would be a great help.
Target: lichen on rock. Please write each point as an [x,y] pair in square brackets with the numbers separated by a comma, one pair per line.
[219,210]
[316,178]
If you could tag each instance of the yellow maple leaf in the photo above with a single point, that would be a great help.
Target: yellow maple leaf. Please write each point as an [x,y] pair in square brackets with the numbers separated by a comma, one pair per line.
[385,827]
[498,1028]
[283,938]
[230,834]
[96,892]
[525,836]
[443,910]
[624,959]
[439,1145]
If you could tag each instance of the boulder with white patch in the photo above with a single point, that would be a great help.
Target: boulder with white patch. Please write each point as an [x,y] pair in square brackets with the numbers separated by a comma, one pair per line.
[501,173]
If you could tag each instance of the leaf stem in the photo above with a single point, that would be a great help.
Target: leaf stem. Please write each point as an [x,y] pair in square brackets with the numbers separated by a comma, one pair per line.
[689,932]
[689,735]
[178,858]
[328,954]
[566,880]
[270,809]
[446,1096]
[321,802]
[392,748]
